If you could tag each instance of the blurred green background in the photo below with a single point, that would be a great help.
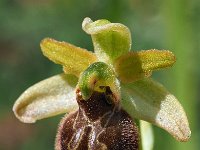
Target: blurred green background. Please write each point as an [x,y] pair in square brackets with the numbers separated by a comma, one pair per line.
[167,24]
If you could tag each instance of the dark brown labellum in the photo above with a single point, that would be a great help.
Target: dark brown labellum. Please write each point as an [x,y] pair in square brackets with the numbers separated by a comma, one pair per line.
[97,125]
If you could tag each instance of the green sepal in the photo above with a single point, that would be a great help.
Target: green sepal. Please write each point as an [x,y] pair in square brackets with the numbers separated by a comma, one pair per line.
[50,97]
[110,40]
[148,100]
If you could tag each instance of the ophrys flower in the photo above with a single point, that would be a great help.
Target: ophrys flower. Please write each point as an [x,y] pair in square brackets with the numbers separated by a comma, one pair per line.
[112,86]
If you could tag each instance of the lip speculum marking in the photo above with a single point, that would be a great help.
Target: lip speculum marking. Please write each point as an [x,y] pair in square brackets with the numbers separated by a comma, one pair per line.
[97,124]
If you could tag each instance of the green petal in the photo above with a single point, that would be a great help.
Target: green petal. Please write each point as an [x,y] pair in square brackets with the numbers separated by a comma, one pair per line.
[150,101]
[47,98]
[96,76]
[110,40]
[137,65]
[74,59]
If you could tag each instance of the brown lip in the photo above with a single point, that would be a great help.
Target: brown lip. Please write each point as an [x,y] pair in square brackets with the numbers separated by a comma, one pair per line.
[97,125]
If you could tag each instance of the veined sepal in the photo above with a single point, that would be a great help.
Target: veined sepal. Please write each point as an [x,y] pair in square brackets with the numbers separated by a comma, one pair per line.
[148,100]
[50,97]
[110,40]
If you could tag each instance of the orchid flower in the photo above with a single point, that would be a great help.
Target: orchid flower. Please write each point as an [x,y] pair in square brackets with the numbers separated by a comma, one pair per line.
[102,93]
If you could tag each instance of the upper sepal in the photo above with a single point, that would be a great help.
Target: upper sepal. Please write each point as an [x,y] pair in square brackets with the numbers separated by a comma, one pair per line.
[150,101]
[110,40]
[47,98]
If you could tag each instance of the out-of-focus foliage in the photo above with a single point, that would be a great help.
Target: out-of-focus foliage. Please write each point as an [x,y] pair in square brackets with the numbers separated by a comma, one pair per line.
[168,24]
